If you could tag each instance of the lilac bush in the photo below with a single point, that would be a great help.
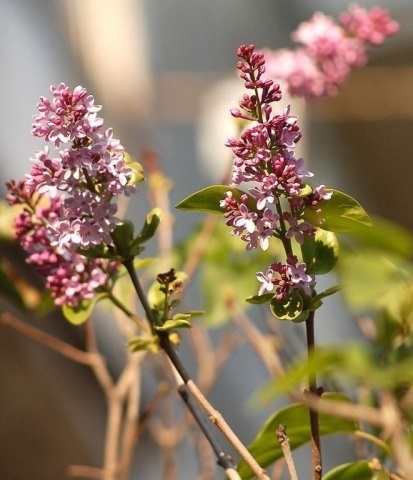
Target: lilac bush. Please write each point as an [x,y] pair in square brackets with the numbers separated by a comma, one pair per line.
[69,230]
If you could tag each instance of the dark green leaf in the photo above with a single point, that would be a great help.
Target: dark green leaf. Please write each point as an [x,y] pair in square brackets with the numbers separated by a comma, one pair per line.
[288,309]
[339,214]
[320,253]
[266,449]
[122,237]
[207,199]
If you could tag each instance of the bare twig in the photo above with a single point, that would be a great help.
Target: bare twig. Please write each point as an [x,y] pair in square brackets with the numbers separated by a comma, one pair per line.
[47,340]
[215,416]
[83,471]
[284,441]
[260,343]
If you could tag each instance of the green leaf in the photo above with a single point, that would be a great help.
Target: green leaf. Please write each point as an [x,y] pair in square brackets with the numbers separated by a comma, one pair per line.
[289,308]
[78,315]
[386,236]
[351,471]
[370,275]
[153,219]
[316,301]
[178,321]
[260,299]
[207,199]
[144,343]
[122,237]
[339,214]
[320,252]
[266,449]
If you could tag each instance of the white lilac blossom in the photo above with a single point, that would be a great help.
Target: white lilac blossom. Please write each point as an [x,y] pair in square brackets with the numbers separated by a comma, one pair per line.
[265,156]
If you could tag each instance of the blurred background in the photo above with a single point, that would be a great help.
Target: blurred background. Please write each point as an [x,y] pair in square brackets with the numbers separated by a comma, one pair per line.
[164,72]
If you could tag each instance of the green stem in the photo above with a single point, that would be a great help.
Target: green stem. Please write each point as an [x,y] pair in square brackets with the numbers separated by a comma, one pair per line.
[127,312]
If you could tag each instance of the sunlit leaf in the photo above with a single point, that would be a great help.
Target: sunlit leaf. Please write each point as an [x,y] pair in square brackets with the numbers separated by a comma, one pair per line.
[369,275]
[78,315]
[207,199]
[178,322]
[149,228]
[351,471]
[385,236]
[341,213]
[289,308]
[266,449]
[320,253]
[260,299]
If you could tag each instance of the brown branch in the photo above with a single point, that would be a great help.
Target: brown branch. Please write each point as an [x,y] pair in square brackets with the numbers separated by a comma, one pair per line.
[84,471]
[284,442]
[314,420]
[65,349]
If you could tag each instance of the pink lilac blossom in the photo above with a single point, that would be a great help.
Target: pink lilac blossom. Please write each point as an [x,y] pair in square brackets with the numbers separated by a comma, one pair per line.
[70,277]
[329,50]
[265,155]
[90,172]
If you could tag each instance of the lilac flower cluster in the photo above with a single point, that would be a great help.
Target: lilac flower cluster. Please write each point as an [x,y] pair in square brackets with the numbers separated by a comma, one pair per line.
[67,199]
[90,172]
[265,155]
[70,277]
[329,50]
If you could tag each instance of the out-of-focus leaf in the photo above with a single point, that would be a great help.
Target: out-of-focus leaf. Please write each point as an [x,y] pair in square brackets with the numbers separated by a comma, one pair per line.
[260,299]
[369,275]
[351,471]
[353,364]
[144,343]
[341,213]
[207,199]
[78,315]
[266,449]
[316,301]
[320,253]
[177,322]
[227,271]
[386,236]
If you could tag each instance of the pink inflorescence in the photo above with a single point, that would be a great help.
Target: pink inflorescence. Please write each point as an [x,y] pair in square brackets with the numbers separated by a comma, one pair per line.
[70,277]
[265,155]
[329,50]
[90,172]
[68,194]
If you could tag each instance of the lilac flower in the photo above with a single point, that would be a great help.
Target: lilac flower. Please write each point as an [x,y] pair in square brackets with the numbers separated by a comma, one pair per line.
[265,155]
[329,50]
[90,172]
[297,230]
[266,281]
[70,277]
